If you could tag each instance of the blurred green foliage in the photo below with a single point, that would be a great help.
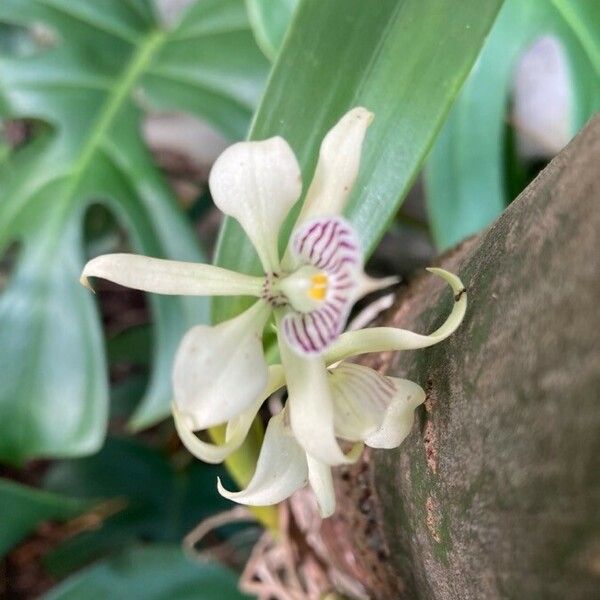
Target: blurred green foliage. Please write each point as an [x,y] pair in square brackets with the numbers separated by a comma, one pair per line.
[155,501]
[22,508]
[159,572]
[270,20]
[468,182]
[105,62]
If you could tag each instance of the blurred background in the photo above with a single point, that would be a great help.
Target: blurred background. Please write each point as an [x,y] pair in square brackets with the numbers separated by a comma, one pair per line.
[112,113]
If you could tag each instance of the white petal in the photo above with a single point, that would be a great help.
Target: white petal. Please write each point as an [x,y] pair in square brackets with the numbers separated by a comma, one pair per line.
[383,339]
[170,277]
[280,471]
[399,416]
[361,397]
[337,168]
[321,482]
[311,407]
[257,183]
[220,371]
[237,427]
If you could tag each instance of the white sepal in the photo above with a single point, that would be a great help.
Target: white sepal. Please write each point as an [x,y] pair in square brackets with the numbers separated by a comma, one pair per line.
[321,482]
[257,183]
[280,471]
[399,416]
[170,276]
[384,339]
[337,167]
[220,371]
[310,406]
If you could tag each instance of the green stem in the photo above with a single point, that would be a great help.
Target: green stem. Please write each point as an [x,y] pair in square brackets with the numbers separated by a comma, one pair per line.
[241,466]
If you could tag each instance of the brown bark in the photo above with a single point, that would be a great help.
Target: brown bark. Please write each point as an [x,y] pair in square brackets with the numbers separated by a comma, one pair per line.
[496,493]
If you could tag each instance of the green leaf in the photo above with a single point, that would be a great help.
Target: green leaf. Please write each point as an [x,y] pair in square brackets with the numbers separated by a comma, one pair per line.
[405,60]
[465,173]
[109,57]
[269,20]
[151,573]
[22,509]
[159,501]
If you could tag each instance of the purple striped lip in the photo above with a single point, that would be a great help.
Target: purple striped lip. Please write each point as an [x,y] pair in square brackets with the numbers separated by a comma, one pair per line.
[331,245]
[375,387]
[361,398]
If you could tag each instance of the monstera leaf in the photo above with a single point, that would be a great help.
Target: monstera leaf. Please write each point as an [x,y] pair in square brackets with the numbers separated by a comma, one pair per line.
[108,58]
[156,499]
[465,174]
[22,508]
[154,572]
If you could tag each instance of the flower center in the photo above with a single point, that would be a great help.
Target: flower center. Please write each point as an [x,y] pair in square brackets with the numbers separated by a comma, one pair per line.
[318,288]
[305,289]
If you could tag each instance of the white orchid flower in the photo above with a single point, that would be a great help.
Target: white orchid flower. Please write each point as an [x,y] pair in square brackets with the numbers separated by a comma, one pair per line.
[220,374]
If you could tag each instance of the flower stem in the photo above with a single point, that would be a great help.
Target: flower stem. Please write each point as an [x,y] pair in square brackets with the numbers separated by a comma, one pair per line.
[241,465]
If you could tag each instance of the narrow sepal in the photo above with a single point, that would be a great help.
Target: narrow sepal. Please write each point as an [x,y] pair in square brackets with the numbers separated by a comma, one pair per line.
[384,339]
[170,276]
[338,165]
[321,482]
[311,407]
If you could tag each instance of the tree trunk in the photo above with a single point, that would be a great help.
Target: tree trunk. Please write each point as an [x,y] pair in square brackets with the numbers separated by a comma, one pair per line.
[496,493]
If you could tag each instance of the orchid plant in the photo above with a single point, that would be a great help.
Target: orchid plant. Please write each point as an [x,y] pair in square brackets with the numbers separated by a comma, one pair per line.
[220,374]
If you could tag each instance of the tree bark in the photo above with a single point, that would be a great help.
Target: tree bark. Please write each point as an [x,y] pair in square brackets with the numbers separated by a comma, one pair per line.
[496,492]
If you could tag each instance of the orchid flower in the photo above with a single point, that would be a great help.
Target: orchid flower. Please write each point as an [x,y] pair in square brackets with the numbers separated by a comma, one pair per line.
[220,374]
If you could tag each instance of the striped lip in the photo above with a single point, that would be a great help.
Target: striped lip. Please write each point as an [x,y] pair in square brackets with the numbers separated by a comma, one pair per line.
[361,397]
[330,246]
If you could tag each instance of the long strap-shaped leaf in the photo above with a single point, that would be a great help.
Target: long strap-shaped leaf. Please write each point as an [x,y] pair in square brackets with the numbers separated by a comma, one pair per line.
[405,60]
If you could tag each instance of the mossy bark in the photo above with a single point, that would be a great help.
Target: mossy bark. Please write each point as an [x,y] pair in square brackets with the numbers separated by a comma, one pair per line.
[496,493]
